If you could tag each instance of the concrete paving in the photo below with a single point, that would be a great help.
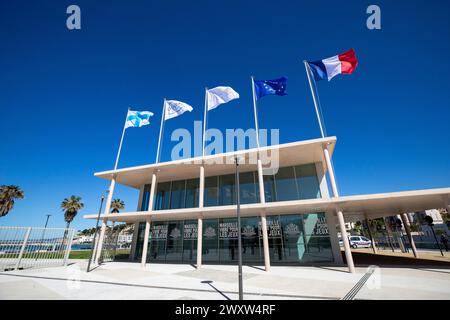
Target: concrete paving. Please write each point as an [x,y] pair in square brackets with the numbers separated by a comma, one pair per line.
[126,280]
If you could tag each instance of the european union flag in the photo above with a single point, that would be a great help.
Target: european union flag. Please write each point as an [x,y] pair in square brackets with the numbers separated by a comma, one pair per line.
[267,87]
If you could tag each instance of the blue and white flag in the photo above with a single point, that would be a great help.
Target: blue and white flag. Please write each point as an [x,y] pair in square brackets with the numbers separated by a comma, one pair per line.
[175,108]
[219,95]
[138,118]
[268,87]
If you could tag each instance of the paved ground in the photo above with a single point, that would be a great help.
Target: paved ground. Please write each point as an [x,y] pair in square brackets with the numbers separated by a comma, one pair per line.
[124,280]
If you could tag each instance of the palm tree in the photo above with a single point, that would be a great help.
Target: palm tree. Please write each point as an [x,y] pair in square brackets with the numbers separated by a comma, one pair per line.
[7,196]
[70,207]
[117,205]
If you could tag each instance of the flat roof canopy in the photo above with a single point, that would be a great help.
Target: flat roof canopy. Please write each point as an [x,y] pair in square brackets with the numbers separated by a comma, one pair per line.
[354,207]
[294,153]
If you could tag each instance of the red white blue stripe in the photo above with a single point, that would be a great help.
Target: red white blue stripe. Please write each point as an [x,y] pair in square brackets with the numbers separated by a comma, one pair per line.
[344,63]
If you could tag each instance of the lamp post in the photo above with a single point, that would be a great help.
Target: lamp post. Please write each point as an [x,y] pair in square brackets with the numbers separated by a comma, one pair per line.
[46,221]
[94,245]
[238,213]
[429,221]
[45,227]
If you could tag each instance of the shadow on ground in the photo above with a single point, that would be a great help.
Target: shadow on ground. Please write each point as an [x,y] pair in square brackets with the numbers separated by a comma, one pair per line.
[365,259]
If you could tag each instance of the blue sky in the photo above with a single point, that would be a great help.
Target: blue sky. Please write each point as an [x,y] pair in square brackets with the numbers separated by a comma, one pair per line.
[64,94]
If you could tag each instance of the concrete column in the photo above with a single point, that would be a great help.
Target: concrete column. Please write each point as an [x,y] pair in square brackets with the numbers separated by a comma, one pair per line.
[330,172]
[340,215]
[262,195]
[201,197]
[134,241]
[348,252]
[335,247]
[201,191]
[104,221]
[151,199]
[136,225]
[145,246]
[262,199]
[374,247]
[408,232]
[265,242]
[390,235]
[199,242]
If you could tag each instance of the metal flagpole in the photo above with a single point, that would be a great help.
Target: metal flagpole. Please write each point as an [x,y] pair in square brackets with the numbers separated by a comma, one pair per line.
[331,175]
[204,121]
[256,114]
[121,140]
[163,115]
[314,97]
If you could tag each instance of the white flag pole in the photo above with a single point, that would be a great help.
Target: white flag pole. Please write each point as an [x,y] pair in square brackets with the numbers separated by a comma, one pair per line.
[121,141]
[161,129]
[256,113]
[204,122]
[308,73]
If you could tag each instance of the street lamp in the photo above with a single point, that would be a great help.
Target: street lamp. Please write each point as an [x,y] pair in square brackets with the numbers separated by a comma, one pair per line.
[238,213]
[429,221]
[94,245]
[43,231]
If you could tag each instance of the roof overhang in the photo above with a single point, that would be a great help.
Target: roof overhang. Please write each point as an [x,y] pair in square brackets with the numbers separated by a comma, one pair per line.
[354,207]
[294,153]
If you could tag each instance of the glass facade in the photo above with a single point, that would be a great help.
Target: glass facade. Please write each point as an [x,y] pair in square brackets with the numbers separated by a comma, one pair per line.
[289,183]
[293,238]
[292,183]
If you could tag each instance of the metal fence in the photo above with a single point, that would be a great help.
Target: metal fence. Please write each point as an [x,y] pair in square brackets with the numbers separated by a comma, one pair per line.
[29,247]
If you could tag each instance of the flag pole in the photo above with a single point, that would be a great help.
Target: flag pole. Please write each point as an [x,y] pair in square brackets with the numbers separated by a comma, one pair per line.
[255,112]
[161,126]
[204,122]
[121,141]
[308,73]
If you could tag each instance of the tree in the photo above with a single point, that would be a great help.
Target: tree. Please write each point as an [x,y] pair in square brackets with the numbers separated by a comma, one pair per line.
[8,194]
[117,205]
[71,206]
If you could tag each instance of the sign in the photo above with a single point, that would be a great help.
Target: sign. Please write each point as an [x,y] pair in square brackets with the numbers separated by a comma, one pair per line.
[292,230]
[190,231]
[273,229]
[321,227]
[175,233]
[248,231]
[228,230]
[159,232]
[210,232]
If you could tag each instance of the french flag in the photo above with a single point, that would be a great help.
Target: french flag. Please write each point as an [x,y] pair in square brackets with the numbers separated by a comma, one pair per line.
[344,63]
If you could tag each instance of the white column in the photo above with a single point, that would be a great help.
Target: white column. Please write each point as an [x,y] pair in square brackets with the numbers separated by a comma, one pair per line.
[199,242]
[201,191]
[136,225]
[374,247]
[265,242]
[262,198]
[348,252]
[408,232]
[340,215]
[334,239]
[145,246]
[262,195]
[151,199]
[134,241]
[200,220]
[104,221]
[330,172]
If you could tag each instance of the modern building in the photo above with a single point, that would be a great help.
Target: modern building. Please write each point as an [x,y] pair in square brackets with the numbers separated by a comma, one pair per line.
[187,208]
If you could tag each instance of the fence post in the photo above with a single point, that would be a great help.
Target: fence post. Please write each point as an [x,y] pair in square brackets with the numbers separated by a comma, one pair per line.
[68,247]
[22,249]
